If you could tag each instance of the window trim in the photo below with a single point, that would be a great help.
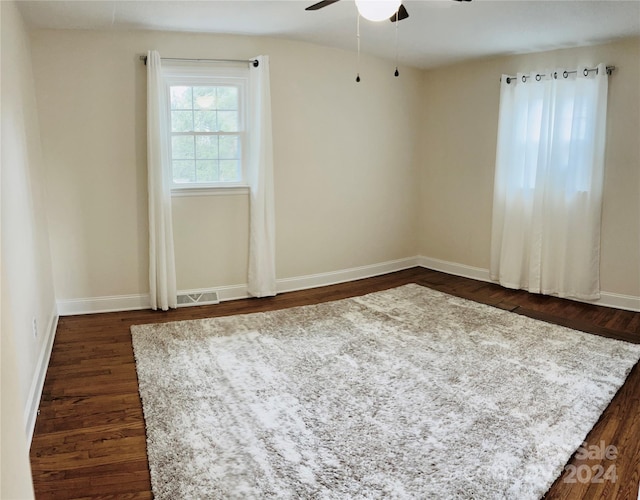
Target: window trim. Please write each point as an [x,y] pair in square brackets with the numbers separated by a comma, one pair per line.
[210,191]
[190,75]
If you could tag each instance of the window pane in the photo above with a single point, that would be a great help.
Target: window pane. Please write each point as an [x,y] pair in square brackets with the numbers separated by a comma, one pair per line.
[207,171]
[181,97]
[228,121]
[229,171]
[204,97]
[212,111]
[204,121]
[227,98]
[184,171]
[229,147]
[181,121]
[182,147]
[207,147]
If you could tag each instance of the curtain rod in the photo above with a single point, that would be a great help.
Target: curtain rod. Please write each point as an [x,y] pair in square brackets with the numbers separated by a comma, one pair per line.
[565,74]
[249,61]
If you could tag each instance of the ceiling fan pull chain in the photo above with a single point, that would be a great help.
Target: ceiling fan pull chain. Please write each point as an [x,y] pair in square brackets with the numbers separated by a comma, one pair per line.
[358,37]
[397,73]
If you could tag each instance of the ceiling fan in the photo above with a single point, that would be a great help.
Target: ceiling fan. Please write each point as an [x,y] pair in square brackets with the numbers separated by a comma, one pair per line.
[399,15]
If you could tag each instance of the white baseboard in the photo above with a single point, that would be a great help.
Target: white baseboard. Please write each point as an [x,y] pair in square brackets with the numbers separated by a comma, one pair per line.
[283,285]
[37,383]
[232,292]
[476,273]
[617,301]
[93,305]
[116,303]
[344,275]
[607,299]
[322,279]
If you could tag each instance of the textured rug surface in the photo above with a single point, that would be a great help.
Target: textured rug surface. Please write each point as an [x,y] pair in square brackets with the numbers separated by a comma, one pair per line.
[405,393]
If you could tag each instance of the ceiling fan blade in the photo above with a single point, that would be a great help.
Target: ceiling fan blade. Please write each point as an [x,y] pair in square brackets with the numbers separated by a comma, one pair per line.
[319,5]
[402,14]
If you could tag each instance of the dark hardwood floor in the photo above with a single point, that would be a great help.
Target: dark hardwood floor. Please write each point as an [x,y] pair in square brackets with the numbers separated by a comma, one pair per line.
[89,439]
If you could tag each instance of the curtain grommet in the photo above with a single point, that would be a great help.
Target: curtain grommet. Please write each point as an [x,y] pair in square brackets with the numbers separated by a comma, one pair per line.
[538,77]
[565,74]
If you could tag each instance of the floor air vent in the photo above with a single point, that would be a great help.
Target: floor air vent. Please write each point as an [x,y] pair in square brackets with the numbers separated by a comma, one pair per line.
[198,298]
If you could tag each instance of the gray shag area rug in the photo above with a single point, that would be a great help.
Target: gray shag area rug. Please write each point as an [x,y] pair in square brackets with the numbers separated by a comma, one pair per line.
[405,393]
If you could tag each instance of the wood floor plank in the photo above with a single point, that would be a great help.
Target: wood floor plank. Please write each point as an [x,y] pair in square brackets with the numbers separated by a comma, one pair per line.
[89,441]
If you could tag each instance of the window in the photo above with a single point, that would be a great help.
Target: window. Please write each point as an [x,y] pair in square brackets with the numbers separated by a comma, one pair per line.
[207,130]
[552,129]
[548,183]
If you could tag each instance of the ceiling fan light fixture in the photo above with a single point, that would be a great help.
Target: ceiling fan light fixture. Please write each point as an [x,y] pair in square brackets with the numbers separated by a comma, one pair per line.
[377,10]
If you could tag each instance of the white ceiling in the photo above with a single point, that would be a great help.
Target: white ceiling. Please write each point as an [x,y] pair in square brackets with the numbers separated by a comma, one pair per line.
[437,31]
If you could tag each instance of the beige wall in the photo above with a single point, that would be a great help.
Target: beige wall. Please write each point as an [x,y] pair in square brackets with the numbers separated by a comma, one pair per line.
[15,470]
[345,162]
[458,137]
[27,286]
[368,173]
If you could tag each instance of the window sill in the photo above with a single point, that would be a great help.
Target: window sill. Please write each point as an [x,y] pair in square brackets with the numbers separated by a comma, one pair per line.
[209,191]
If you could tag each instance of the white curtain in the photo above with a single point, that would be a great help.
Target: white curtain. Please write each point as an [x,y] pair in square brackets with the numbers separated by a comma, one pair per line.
[548,183]
[162,274]
[262,268]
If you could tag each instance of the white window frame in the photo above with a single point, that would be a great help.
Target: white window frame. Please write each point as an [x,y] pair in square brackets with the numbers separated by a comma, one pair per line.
[196,75]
